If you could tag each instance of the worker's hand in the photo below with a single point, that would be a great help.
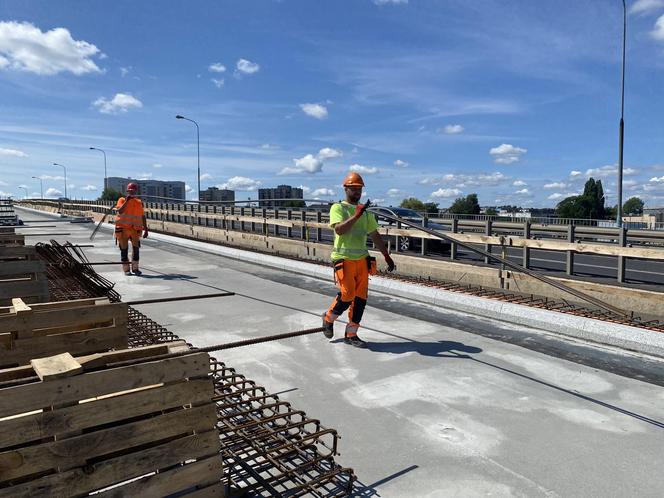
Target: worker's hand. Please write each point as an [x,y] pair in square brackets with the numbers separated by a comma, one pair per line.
[145,233]
[361,208]
[390,263]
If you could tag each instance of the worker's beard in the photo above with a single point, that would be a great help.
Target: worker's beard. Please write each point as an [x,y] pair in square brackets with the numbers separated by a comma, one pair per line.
[353,197]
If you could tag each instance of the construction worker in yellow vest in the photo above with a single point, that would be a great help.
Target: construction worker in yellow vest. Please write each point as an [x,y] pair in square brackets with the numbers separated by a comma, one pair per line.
[129,223]
[352,264]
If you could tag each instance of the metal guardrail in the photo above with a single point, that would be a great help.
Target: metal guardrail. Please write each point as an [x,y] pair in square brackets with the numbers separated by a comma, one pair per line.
[262,220]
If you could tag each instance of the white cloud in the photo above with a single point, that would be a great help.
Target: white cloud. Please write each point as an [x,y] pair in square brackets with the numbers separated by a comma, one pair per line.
[317,111]
[306,164]
[124,71]
[53,192]
[446,193]
[188,189]
[122,102]
[392,2]
[453,129]
[646,6]
[463,181]
[269,147]
[507,153]
[89,188]
[367,170]
[240,183]
[206,176]
[246,67]
[575,175]
[324,192]
[3,184]
[555,185]
[219,83]
[519,183]
[400,164]
[157,165]
[217,67]
[49,177]
[394,192]
[658,31]
[12,152]
[609,171]
[25,47]
[657,179]
[555,196]
[328,153]
[144,176]
[523,191]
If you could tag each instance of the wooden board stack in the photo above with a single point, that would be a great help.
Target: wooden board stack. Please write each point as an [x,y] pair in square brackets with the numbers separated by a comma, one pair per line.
[124,423]
[22,275]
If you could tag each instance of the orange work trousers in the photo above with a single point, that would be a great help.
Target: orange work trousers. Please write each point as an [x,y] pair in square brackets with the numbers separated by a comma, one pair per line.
[352,277]
[124,235]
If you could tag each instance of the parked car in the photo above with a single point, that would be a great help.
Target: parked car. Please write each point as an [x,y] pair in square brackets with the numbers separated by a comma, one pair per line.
[403,243]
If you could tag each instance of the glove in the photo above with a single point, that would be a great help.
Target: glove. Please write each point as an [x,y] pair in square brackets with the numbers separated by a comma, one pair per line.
[361,208]
[390,263]
[145,233]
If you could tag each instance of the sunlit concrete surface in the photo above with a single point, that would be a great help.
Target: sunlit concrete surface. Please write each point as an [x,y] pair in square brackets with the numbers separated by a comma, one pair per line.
[440,404]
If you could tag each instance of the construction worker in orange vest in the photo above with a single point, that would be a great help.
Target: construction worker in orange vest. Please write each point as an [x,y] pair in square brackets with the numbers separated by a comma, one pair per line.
[129,223]
[352,264]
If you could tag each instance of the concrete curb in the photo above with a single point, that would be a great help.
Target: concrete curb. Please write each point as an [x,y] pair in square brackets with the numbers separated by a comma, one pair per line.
[587,329]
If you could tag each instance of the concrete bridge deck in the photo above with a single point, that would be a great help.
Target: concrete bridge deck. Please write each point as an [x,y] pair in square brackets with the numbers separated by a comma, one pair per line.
[442,403]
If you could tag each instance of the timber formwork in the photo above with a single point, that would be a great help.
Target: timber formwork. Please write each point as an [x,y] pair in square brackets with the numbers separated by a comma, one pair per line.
[268,447]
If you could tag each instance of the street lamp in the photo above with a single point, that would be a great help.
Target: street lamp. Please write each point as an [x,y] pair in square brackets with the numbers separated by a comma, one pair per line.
[26,190]
[105,176]
[622,123]
[198,150]
[41,185]
[65,169]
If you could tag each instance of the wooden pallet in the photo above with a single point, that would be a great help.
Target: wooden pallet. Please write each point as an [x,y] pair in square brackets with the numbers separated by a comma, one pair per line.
[78,327]
[85,424]
[8,239]
[22,275]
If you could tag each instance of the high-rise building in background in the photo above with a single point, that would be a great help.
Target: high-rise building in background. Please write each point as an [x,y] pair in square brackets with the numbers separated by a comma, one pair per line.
[267,196]
[150,190]
[214,194]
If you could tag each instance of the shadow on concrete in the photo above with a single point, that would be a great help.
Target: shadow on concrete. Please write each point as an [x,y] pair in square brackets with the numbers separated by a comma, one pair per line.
[168,276]
[369,490]
[438,348]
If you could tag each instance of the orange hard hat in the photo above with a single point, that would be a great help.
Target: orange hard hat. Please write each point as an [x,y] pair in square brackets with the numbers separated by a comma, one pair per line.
[353,180]
[132,186]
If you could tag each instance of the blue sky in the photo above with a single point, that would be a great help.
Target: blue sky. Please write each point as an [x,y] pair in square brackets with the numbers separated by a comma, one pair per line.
[518,101]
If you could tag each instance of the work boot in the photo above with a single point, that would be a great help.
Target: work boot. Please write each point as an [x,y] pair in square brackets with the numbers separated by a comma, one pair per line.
[354,340]
[328,328]
[127,273]
[138,272]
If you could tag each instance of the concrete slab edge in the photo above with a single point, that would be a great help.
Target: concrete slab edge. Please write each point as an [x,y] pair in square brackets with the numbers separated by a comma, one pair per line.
[606,333]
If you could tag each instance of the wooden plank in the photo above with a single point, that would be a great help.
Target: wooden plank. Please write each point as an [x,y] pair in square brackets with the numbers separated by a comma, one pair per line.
[28,397]
[18,252]
[20,267]
[74,303]
[76,343]
[96,359]
[56,367]
[102,474]
[5,342]
[19,306]
[77,316]
[103,411]
[203,472]
[22,289]
[72,452]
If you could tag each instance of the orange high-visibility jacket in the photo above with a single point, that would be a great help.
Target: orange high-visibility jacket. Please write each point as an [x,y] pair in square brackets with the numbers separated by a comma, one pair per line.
[132,216]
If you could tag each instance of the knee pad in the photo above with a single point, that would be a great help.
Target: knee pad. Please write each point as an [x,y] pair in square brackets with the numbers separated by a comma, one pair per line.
[124,254]
[358,309]
[340,306]
[134,253]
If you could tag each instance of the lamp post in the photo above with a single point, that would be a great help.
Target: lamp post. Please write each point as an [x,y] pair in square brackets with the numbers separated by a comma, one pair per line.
[198,151]
[26,190]
[65,170]
[105,175]
[41,185]
[622,122]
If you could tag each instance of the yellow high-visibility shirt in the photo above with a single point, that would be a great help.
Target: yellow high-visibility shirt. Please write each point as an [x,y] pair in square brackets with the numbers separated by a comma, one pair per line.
[352,244]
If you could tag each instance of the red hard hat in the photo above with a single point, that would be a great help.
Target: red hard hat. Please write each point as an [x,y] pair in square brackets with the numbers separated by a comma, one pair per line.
[132,186]
[353,180]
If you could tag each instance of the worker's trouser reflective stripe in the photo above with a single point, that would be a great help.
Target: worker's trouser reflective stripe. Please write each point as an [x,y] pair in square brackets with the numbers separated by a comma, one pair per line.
[352,278]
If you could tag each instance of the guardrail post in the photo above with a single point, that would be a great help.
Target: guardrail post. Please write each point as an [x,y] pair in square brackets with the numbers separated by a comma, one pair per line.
[253,224]
[453,246]
[425,223]
[526,249]
[304,230]
[289,230]
[622,260]
[319,231]
[488,228]
[570,254]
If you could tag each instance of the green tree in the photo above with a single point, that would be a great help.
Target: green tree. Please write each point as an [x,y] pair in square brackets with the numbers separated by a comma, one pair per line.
[466,205]
[294,203]
[491,211]
[431,207]
[109,194]
[590,204]
[633,206]
[413,203]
